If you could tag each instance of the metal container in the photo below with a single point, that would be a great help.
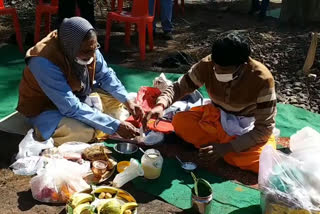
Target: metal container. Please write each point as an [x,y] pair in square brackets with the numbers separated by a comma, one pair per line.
[125,148]
[202,205]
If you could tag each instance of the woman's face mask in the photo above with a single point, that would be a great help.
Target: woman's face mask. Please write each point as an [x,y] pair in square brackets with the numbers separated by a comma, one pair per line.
[83,62]
[87,52]
[226,77]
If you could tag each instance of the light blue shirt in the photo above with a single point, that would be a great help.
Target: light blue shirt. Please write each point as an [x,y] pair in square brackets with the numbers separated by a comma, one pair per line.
[54,84]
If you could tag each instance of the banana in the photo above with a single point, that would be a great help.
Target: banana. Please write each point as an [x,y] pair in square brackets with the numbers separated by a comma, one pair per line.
[109,206]
[109,189]
[80,198]
[128,206]
[83,207]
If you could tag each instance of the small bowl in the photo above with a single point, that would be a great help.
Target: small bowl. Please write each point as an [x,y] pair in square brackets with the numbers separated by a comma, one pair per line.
[122,166]
[125,148]
[99,167]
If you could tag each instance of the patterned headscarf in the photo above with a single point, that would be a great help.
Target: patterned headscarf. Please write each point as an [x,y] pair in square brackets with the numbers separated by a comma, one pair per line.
[72,31]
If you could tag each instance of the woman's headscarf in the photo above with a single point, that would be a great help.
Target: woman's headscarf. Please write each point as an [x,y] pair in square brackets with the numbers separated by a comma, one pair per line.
[72,31]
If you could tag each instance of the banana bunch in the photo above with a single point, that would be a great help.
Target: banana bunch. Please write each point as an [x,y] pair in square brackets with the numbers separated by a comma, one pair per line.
[80,198]
[113,191]
[84,208]
[112,206]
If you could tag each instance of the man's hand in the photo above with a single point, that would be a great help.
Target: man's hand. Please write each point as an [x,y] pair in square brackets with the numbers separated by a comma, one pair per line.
[135,110]
[155,113]
[127,130]
[211,153]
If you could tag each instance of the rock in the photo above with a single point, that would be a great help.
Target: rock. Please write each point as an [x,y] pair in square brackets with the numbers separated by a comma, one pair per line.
[288,85]
[312,77]
[297,88]
[297,84]
[293,100]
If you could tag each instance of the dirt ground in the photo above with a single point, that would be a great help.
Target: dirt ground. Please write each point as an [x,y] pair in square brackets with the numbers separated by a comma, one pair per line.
[281,48]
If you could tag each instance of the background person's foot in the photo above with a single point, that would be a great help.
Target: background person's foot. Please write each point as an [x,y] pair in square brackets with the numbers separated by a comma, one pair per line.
[167,36]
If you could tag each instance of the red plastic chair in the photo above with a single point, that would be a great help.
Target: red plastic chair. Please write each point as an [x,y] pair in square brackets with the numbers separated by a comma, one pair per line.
[138,15]
[13,12]
[48,10]
[178,7]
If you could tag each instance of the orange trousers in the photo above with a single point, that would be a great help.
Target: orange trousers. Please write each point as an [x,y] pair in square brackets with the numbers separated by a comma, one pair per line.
[201,126]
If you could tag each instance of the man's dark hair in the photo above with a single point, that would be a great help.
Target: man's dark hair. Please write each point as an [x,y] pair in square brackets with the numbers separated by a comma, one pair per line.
[232,49]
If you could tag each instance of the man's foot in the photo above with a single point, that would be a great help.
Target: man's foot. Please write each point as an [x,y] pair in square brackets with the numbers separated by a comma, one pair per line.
[167,36]
[253,11]
[262,16]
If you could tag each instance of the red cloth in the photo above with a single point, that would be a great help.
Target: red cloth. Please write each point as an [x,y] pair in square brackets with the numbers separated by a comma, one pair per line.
[165,127]
[147,97]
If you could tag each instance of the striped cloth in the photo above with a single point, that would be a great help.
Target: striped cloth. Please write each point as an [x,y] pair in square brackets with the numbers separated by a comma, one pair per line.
[252,94]
[71,33]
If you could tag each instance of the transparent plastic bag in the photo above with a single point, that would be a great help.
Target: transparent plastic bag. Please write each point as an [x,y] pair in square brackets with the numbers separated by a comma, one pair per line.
[58,181]
[287,184]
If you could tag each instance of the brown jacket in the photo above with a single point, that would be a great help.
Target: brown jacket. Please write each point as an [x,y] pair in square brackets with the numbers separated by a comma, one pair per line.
[32,100]
[251,94]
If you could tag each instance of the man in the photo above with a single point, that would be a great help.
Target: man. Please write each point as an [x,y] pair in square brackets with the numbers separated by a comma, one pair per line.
[61,72]
[256,6]
[239,87]
[166,7]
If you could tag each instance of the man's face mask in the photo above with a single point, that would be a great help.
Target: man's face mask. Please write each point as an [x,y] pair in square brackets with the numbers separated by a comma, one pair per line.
[227,77]
[83,62]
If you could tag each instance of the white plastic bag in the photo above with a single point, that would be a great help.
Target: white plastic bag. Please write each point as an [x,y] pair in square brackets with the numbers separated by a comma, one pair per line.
[131,172]
[30,147]
[304,143]
[161,82]
[59,180]
[29,165]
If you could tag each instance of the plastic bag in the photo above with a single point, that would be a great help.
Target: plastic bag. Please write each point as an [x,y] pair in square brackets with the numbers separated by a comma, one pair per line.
[161,82]
[29,165]
[59,180]
[287,183]
[304,143]
[131,172]
[30,147]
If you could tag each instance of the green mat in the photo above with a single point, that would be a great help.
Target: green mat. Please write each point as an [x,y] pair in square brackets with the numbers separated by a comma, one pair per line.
[174,184]
[11,66]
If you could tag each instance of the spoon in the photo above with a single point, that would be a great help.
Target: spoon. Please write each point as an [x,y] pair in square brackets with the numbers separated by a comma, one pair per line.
[147,154]
[188,166]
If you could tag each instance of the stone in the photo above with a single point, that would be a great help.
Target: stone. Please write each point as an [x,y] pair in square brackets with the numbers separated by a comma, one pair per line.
[297,84]
[312,77]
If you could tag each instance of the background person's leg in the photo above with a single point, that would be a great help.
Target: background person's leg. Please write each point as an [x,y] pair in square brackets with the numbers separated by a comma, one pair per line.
[87,10]
[264,7]
[66,10]
[166,15]
[255,6]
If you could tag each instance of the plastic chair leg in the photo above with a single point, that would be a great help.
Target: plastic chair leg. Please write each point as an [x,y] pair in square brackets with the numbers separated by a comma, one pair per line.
[18,31]
[127,33]
[150,35]
[113,5]
[176,6]
[108,32]
[37,26]
[142,39]
[47,18]
[182,6]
